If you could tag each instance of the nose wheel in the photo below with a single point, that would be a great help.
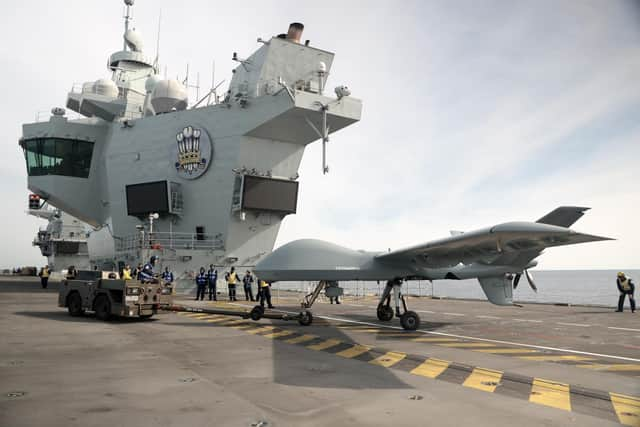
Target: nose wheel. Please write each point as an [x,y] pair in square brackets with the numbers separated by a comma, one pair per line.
[409,320]
[385,313]
[305,318]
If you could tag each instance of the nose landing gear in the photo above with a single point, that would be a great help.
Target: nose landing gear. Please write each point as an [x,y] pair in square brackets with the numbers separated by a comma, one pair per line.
[409,320]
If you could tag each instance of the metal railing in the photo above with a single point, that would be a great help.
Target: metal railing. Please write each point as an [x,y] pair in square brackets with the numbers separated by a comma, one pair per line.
[171,240]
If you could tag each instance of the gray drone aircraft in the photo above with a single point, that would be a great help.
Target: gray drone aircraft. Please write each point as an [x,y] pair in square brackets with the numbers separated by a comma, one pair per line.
[497,256]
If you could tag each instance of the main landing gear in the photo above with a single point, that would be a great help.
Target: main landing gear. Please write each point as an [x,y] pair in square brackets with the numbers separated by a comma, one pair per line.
[409,320]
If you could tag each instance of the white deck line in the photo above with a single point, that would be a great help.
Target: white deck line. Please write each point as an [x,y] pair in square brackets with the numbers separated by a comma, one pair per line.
[444,334]
[582,325]
[623,329]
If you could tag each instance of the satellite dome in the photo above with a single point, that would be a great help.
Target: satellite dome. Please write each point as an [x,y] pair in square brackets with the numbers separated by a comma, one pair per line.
[106,87]
[151,82]
[133,40]
[169,95]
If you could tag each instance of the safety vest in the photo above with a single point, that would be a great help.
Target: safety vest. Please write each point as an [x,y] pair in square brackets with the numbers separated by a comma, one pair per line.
[126,274]
[263,284]
[232,278]
[212,275]
[167,276]
[201,280]
[45,272]
[625,285]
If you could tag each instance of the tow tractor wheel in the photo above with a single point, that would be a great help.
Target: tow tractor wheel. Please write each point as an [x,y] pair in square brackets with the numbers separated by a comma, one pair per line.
[146,316]
[385,313]
[306,318]
[74,304]
[256,312]
[102,306]
[410,321]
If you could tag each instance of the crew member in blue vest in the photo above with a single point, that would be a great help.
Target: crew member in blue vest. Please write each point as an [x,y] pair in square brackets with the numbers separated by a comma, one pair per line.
[247,282]
[146,275]
[212,280]
[167,276]
[626,287]
[201,282]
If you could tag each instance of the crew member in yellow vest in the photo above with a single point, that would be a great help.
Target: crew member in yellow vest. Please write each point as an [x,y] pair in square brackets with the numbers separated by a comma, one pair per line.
[265,293]
[126,273]
[232,281]
[626,287]
[44,276]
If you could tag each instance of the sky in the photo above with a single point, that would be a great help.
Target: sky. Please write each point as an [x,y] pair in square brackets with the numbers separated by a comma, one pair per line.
[475,112]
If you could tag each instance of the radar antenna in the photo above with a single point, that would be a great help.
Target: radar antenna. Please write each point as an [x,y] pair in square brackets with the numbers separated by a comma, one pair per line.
[128,16]
[156,62]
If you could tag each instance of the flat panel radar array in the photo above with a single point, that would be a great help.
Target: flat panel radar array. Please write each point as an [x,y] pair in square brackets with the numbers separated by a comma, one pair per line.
[148,197]
[267,194]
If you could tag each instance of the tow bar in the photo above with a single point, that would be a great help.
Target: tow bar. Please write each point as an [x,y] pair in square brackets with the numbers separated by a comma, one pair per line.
[256,313]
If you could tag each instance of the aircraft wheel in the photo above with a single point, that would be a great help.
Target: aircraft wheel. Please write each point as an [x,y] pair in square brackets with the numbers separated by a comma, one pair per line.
[306,318]
[385,313]
[102,306]
[410,321]
[74,304]
[256,313]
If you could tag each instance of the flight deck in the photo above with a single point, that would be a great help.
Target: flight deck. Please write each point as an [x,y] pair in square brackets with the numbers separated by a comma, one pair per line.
[470,362]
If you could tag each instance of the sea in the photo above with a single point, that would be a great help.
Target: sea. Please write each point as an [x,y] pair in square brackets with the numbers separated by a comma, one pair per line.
[574,287]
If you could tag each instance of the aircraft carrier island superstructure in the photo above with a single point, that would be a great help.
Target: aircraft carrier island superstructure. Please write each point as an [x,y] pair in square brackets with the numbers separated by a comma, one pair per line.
[195,185]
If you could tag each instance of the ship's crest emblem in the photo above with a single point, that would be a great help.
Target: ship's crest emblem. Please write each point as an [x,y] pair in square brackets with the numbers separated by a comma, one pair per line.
[193,152]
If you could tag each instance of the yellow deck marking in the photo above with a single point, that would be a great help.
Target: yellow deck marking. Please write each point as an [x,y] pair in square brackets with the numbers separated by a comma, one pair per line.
[258,330]
[354,351]
[507,350]
[369,330]
[388,359]
[556,358]
[483,379]
[218,319]
[301,339]
[324,344]
[197,314]
[201,316]
[613,367]
[278,334]
[435,339]
[627,408]
[431,368]
[467,344]
[550,393]
[236,321]
[247,325]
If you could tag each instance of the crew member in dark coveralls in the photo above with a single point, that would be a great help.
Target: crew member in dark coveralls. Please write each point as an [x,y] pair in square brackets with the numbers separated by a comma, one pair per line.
[212,280]
[201,282]
[626,287]
[265,293]
[247,282]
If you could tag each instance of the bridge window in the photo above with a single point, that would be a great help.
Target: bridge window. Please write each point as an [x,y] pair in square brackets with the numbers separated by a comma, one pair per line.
[57,156]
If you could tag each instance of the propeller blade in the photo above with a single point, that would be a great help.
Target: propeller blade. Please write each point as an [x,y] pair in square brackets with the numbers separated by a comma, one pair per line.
[516,280]
[530,280]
